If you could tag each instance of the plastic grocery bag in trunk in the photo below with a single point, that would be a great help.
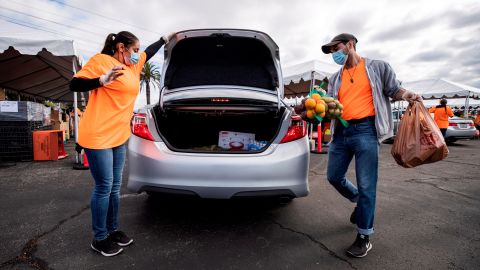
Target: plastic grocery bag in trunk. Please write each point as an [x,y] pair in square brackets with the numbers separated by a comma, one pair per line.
[418,140]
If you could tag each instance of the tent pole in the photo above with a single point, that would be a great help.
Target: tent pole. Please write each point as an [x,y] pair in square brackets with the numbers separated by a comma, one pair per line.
[312,81]
[75,107]
[467,101]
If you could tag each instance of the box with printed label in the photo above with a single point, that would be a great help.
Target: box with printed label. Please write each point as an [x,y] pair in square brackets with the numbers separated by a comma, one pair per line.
[231,140]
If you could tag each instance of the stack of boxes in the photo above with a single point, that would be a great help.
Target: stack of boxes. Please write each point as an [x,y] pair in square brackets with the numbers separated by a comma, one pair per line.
[58,123]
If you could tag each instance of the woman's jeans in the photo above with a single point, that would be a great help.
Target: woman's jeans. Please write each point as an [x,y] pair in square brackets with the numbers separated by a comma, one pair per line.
[359,141]
[106,166]
[444,132]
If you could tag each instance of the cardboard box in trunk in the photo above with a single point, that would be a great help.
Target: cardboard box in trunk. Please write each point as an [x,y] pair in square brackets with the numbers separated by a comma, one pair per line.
[235,140]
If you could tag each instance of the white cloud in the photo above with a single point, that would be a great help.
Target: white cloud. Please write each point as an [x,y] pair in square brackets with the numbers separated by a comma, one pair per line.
[420,39]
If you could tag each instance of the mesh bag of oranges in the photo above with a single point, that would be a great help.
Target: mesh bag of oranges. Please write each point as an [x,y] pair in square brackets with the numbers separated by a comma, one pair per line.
[318,105]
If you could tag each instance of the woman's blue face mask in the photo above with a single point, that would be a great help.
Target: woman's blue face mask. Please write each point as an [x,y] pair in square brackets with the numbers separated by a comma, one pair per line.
[134,57]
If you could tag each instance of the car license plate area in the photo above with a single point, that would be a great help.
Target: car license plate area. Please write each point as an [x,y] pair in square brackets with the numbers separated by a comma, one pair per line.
[463,126]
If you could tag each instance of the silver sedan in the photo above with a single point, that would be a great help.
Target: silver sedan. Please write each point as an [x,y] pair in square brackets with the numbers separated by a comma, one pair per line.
[460,128]
[220,128]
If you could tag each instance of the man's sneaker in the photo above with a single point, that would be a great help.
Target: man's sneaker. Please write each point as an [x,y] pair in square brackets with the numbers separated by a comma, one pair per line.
[120,238]
[360,247]
[106,247]
[353,216]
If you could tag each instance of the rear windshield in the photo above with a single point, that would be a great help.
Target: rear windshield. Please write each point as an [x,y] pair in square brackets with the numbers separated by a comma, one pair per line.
[221,60]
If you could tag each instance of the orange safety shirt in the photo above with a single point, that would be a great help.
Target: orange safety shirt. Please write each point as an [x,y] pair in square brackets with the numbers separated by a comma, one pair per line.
[477,120]
[106,120]
[441,115]
[356,97]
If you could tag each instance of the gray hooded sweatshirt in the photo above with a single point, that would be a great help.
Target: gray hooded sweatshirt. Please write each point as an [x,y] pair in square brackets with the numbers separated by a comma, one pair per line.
[384,84]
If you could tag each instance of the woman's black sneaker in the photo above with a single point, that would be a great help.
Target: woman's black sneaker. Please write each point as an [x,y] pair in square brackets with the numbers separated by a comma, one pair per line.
[360,247]
[106,247]
[120,238]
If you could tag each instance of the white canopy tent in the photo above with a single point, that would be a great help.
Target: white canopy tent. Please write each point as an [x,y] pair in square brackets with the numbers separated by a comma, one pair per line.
[455,103]
[442,88]
[300,78]
[40,68]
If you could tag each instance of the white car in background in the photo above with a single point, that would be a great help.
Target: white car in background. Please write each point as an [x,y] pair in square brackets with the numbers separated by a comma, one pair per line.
[460,128]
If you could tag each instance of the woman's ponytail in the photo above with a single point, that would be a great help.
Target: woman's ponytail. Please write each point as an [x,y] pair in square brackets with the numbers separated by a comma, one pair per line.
[109,47]
[124,37]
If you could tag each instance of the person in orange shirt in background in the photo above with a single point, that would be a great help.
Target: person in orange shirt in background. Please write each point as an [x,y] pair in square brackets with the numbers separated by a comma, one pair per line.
[442,113]
[113,77]
[477,121]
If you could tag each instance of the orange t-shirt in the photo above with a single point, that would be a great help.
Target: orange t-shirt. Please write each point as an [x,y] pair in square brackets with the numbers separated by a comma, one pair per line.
[356,97]
[106,120]
[441,115]
[477,120]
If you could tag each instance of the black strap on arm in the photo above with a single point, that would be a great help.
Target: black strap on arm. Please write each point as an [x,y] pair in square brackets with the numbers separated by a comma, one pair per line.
[84,85]
[153,48]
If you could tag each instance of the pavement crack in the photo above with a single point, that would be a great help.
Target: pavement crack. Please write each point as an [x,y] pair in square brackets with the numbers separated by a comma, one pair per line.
[311,238]
[458,162]
[27,254]
[419,181]
[316,173]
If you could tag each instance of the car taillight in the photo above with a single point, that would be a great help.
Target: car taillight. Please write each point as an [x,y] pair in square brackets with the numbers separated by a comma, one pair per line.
[471,124]
[140,128]
[296,130]
[452,124]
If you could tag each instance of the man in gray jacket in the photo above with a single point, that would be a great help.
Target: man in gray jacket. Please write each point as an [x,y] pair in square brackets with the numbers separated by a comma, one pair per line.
[364,87]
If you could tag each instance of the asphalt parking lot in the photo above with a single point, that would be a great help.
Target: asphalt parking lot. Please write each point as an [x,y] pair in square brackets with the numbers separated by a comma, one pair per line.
[427,218]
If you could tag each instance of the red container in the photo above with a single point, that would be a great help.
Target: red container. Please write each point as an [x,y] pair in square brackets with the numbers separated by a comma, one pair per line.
[48,145]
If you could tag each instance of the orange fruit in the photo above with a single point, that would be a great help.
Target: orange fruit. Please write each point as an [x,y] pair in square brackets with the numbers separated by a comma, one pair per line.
[310,114]
[322,115]
[317,97]
[320,108]
[310,104]
[321,101]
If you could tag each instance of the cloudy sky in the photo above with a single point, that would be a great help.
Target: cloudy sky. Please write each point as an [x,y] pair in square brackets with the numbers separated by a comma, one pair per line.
[421,39]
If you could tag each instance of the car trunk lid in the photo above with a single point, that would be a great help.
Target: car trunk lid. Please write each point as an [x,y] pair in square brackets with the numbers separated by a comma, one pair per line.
[199,62]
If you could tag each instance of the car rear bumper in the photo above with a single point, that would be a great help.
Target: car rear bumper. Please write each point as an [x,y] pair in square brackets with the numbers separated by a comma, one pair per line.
[281,170]
[460,133]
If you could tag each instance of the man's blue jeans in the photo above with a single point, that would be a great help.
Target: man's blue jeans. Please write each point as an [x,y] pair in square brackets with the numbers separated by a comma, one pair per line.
[359,141]
[106,166]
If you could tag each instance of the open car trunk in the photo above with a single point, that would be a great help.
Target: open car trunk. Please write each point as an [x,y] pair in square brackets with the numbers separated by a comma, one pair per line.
[218,130]
[220,92]
[221,59]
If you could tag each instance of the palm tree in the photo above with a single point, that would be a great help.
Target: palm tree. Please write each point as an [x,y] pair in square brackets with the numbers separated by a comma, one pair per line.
[150,74]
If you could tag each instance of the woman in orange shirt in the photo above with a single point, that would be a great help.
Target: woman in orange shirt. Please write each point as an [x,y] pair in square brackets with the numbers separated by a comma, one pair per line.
[442,113]
[113,77]
[477,121]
